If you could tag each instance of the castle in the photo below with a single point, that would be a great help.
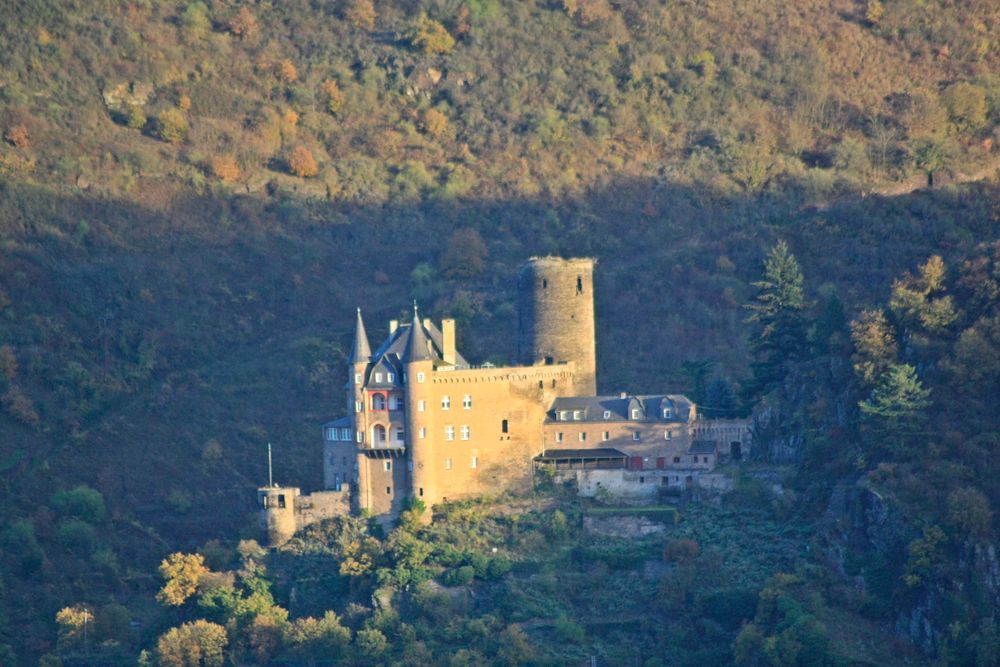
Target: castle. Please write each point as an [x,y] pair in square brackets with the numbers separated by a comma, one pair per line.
[423,423]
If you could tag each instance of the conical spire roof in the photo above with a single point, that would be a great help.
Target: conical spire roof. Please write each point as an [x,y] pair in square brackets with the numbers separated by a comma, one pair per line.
[417,348]
[361,352]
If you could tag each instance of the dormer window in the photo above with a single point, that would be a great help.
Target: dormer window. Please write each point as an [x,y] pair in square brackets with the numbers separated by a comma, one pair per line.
[636,413]
[563,415]
[607,414]
[390,378]
[668,413]
[357,378]
[577,415]
[378,377]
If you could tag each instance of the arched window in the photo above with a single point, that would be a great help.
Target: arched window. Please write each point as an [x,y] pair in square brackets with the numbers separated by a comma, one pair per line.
[378,402]
[378,435]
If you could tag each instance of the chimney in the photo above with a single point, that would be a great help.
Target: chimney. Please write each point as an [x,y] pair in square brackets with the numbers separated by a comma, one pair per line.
[427,323]
[393,325]
[448,341]
[623,395]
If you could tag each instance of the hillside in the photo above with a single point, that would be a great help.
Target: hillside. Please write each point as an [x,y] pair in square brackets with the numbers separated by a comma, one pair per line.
[177,285]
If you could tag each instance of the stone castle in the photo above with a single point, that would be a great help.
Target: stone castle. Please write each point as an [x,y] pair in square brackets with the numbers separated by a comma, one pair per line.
[423,423]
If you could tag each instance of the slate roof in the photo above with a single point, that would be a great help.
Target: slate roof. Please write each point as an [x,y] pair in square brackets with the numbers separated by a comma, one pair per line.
[417,346]
[361,352]
[338,423]
[394,346]
[593,408]
[596,453]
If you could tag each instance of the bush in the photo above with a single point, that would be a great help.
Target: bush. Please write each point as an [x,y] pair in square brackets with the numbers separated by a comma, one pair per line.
[302,163]
[77,537]
[80,502]
[135,117]
[224,168]
[171,126]
[429,36]
[20,545]
[461,576]
[569,631]
[17,136]
[361,13]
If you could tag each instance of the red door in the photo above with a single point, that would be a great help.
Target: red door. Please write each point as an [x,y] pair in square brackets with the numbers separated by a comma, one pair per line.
[661,462]
[635,463]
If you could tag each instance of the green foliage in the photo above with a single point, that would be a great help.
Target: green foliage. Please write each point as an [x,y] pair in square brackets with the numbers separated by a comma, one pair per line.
[77,537]
[896,411]
[197,644]
[80,502]
[21,548]
[429,36]
[170,125]
[924,554]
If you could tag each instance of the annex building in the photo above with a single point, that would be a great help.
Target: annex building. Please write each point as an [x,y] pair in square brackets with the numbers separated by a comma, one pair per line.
[421,422]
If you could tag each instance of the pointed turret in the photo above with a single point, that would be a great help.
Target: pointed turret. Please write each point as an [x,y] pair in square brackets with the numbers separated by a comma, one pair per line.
[361,352]
[417,347]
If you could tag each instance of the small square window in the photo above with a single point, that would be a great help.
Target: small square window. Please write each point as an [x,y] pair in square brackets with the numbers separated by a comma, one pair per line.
[668,435]
[635,413]
[378,377]
[559,437]
[446,403]
[563,415]
[577,415]
[466,402]
[605,436]
[420,377]
[583,437]
[677,459]
[636,437]
[388,466]
[607,414]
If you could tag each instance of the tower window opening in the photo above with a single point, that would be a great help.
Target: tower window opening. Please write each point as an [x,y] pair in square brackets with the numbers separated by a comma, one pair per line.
[541,384]
[545,283]
[388,490]
[281,500]
[421,492]
[503,426]
[579,285]
[549,361]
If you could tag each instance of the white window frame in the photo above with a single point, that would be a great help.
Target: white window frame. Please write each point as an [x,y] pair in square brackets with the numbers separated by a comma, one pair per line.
[467,402]
[465,432]
[421,406]
[388,466]
[378,378]
[446,402]
[636,436]
[449,433]
[423,432]
[577,415]
[605,436]
[635,413]
[421,377]
[583,437]
[562,415]
[357,378]
[390,378]
[607,414]
[559,436]
[358,405]
[667,413]
[474,463]
[668,435]
[447,464]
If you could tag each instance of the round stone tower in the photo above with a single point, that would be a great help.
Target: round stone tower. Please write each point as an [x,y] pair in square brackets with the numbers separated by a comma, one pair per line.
[556,316]
[276,505]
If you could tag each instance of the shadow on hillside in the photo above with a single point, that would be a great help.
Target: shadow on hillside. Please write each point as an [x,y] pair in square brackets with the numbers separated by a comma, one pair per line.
[146,332]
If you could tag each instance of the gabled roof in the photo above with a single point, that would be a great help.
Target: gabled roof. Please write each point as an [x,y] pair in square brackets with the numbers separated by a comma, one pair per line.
[338,423]
[593,408]
[703,447]
[361,352]
[394,346]
[385,365]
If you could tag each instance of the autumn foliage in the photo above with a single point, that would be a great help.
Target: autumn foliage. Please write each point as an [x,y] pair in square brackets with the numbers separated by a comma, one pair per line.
[302,163]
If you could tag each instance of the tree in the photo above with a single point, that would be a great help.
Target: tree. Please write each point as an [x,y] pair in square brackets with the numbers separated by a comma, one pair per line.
[465,255]
[875,346]
[371,643]
[302,163]
[314,639]
[435,123]
[966,104]
[334,96]
[361,13]
[243,24]
[75,623]
[969,509]
[135,117]
[429,36]
[182,573]
[777,309]
[197,644]
[288,72]
[224,168]
[896,409]
[919,300]
[80,502]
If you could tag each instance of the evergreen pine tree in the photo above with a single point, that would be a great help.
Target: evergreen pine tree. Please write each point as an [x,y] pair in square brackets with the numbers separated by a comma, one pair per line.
[777,311]
[896,410]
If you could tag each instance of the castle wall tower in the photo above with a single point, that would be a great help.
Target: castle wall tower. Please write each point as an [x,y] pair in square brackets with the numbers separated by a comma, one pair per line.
[556,316]
[276,505]
[420,432]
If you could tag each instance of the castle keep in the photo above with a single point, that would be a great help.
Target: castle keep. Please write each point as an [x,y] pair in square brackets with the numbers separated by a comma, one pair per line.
[423,423]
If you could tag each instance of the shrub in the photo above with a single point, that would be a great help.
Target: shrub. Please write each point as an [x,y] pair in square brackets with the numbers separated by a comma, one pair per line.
[429,36]
[435,123]
[371,643]
[461,576]
[77,537]
[302,163]
[135,117]
[171,126]
[224,168]
[569,631]
[17,136]
[198,643]
[19,544]
[80,502]
[966,105]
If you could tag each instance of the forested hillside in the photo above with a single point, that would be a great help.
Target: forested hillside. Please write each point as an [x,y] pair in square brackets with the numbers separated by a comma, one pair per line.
[194,197]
